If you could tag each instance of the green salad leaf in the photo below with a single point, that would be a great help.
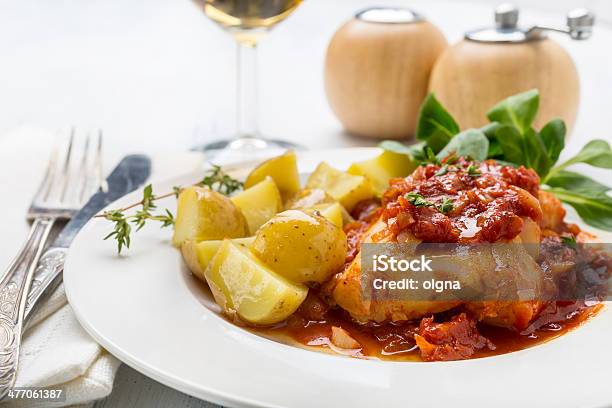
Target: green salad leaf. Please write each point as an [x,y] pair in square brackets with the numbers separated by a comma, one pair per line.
[594,208]
[553,137]
[489,130]
[576,182]
[597,153]
[518,110]
[469,143]
[536,155]
[413,151]
[511,144]
[511,140]
[435,126]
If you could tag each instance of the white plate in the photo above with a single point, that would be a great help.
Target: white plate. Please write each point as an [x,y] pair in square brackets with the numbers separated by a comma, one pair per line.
[142,308]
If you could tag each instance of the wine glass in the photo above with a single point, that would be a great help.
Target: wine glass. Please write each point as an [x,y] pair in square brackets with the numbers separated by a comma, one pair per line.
[247,21]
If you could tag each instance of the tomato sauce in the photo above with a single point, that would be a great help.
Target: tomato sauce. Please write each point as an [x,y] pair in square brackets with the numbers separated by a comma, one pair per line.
[465,202]
[396,342]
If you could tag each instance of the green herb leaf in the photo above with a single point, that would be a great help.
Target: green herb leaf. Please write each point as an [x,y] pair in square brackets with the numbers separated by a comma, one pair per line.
[417,199]
[413,151]
[220,181]
[518,110]
[473,171]
[594,208]
[121,232]
[469,143]
[511,143]
[535,153]
[576,182]
[553,137]
[596,153]
[435,125]
[495,149]
[490,129]
[442,171]
[430,156]
[568,240]
[446,206]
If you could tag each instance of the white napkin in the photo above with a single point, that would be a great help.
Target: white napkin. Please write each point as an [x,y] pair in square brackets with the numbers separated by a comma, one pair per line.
[56,352]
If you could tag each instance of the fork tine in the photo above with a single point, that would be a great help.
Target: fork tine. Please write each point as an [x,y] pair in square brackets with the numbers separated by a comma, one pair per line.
[100,180]
[83,170]
[47,183]
[72,176]
[66,168]
[93,178]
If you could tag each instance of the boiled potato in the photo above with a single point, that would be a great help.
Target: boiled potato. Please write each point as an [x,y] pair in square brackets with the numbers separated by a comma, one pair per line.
[348,189]
[197,255]
[302,246]
[243,285]
[259,203]
[308,198]
[317,199]
[384,167]
[283,170]
[333,212]
[204,214]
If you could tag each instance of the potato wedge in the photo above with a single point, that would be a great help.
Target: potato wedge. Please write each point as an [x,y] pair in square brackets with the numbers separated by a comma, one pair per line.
[283,170]
[383,168]
[308,198]
[197,255]
[259,203]
[302,246]
[203,214]
[333,212]
[243,285]
[348,189]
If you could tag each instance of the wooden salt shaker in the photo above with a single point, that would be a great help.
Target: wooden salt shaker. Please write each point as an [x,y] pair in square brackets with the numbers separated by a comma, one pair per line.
[494,63]
[377,71]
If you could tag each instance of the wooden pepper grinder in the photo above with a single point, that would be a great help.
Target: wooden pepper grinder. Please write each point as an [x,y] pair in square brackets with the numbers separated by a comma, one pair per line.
[494,63]
[377,71]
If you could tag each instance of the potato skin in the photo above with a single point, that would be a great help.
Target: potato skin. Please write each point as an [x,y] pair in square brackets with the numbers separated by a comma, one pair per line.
[190,256]
[302,246]
[203,214]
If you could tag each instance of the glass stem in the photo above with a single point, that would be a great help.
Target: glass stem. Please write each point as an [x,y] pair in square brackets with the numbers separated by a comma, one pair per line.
[246,86]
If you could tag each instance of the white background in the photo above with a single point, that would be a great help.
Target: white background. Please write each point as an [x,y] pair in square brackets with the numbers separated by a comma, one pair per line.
[157,76]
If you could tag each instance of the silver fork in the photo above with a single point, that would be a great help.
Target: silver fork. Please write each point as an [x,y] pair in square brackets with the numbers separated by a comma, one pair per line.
[63,191]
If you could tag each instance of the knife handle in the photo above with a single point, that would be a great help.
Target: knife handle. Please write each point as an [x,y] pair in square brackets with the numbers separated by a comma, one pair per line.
[14,287]
[46,278]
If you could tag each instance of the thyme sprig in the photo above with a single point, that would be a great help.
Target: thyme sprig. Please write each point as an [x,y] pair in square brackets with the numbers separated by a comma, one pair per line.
[220,181]
[123,230]
[215,179]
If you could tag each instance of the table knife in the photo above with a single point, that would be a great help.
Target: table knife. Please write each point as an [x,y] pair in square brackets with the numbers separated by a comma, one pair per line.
[130,173]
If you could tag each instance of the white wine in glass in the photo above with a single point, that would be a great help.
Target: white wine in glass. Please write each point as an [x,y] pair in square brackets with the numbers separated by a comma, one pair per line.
[247,21]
